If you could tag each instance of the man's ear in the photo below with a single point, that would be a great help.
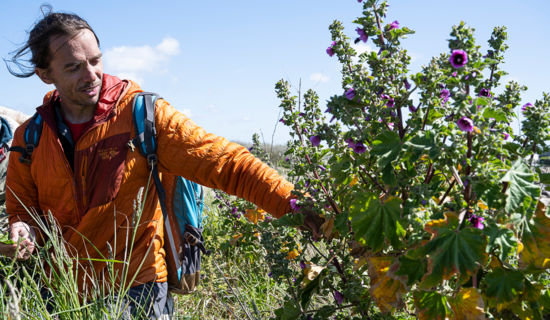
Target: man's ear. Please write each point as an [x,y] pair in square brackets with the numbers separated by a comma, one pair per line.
[44,75]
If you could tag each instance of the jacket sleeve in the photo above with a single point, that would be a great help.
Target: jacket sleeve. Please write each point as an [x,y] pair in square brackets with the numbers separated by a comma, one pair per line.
[187,150]
[21,192]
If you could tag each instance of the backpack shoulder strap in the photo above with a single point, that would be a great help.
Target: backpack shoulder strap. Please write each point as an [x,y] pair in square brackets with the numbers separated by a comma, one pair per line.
[33,131]
[143,113]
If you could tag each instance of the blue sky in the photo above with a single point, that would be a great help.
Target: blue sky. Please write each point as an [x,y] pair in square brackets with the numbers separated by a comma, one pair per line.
[218,61]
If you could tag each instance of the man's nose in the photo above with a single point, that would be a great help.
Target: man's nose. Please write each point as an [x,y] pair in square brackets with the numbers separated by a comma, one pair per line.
[90,73]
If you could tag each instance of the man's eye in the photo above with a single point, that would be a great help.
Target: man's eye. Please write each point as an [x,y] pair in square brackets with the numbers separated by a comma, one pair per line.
[72,69]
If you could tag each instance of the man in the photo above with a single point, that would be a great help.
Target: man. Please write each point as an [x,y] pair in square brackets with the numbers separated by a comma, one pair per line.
[83,172]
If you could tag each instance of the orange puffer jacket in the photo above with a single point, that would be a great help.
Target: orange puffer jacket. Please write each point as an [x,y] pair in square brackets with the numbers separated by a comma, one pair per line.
[93,203]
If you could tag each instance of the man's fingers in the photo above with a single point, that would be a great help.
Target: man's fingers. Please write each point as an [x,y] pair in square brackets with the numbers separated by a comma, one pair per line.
[25,249]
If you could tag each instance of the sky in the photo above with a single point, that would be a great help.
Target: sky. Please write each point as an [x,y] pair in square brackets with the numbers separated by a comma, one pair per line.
[218,61]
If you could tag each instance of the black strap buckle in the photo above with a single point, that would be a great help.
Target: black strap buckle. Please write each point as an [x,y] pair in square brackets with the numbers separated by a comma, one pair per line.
[152,159]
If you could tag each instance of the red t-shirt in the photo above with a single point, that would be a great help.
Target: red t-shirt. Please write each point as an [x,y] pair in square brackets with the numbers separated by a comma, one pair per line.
[77,129]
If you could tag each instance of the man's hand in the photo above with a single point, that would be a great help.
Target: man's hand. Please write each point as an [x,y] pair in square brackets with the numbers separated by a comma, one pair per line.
[24,237]
[312,222]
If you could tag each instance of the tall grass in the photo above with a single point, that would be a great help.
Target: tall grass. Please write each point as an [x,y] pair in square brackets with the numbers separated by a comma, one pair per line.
[46,287]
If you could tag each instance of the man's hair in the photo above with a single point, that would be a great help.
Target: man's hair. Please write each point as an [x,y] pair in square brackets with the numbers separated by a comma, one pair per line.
[38,44]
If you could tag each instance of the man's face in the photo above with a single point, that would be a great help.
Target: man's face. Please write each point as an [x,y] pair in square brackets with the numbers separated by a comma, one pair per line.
[75,69]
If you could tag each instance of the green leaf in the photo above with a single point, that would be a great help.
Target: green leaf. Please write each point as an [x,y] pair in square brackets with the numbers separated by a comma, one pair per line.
[501,239]
[289,311]
[423,143]
[290,220]
[521,186]
[482,101]
[503,285]
[452,252]
[341,223]
[388,176]
[497,114]
[5,239]
[414,269]
[374,221]
[431,305]
[386,146]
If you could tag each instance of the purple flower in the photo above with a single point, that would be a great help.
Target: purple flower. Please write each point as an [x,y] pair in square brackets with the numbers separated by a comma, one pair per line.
[423,202]
[359,1]
[394,25]
[359,147]
[350,94]
[338,297]
[293,205]
[407,84]
[465,124]
[328,110]
[367,118]
[445,94]
[315,140]
[270,274]
[350,142]
[301,114]
[362,35]
[454,74]
[322,168]
[477,221]
[391,125]
[393,114]
[526,106]
[390,103]
[412,108]
[484,93]
[287,159]
[506,135]
[458,58]
[282,120]
[302,264]
[330,50]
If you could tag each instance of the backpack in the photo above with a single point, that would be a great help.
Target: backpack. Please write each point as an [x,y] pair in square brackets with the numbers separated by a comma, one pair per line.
[6,136]
[181,200]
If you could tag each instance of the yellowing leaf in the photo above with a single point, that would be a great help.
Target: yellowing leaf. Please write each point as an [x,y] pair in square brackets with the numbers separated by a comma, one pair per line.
[327,228]
[293,254]
[535,248]
[255,215]
[452,252]
[236,238]
[386,291]
[353,182]
[311,271]
[476,130]
[482,205]
[467,305]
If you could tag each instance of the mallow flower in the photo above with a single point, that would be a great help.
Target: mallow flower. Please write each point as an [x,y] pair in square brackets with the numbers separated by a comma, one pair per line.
[330,50]
[465,124]
[458,58]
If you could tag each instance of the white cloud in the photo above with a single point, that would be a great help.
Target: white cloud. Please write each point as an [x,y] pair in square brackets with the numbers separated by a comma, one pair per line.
[361,47]
[319,77]
[135,62]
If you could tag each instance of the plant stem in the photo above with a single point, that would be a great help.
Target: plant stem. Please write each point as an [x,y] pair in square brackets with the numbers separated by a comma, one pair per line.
[379,25]
[447,192]
[372,179]
[425,118]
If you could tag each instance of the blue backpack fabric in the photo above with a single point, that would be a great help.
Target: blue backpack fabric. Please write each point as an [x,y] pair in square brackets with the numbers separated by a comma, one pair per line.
[182,207]
[6,135]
